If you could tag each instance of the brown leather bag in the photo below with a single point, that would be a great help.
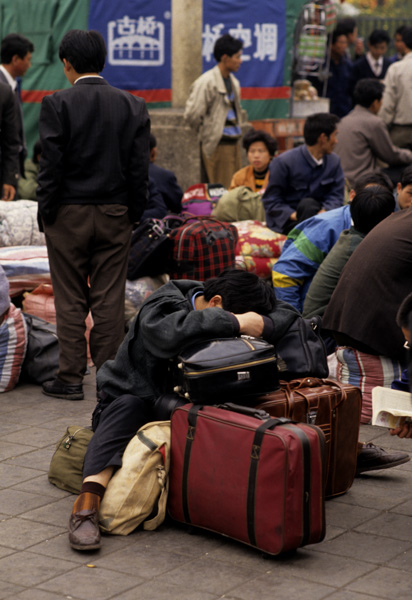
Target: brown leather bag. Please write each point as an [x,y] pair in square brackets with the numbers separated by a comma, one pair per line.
[332,406]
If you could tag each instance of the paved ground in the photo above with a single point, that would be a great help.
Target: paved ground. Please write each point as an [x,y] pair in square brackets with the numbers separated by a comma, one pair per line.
[367,553]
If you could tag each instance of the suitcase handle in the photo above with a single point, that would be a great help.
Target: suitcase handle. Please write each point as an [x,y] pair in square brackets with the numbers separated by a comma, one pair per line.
[258,413]
[311,382]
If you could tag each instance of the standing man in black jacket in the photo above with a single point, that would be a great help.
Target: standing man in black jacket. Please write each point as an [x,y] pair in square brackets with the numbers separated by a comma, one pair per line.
[9,144]
[92,187]
[15,55]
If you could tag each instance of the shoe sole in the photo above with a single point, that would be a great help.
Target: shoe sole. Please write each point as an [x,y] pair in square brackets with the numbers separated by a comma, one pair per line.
[401,461]
[65,396]
[85,548]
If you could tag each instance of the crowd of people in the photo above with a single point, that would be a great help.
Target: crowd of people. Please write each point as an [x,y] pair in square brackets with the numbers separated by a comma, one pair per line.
[345,214]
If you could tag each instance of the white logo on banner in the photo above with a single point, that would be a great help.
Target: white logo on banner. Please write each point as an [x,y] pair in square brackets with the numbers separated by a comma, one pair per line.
[137,42]
[265,34]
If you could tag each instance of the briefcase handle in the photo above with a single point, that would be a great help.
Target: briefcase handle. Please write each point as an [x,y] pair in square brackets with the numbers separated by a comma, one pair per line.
[258,413]
[311,382]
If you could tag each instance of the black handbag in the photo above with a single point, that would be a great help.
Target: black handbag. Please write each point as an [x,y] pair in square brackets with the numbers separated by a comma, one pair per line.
[227,369]
[42,354]
[301,351]
[150,247]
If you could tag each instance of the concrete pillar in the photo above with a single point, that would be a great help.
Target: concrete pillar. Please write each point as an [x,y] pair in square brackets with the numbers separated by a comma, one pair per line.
[187,19]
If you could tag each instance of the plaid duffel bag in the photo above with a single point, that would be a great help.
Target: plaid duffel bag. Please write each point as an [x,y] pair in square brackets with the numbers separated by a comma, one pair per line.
[201,248]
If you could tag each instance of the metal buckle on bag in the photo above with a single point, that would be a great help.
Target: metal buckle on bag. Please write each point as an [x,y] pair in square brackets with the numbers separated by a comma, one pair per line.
[311,417]
[191,432]
[243,375]
[157,229]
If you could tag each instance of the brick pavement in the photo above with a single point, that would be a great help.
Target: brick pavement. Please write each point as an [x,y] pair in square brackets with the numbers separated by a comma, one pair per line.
[367,553]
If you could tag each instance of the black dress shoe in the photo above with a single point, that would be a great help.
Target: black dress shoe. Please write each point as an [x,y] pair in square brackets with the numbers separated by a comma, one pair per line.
[372,458]
[59,389]
[84,533]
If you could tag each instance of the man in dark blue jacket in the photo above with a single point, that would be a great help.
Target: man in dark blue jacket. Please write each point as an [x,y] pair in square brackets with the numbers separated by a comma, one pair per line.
[165,181]
[306,180]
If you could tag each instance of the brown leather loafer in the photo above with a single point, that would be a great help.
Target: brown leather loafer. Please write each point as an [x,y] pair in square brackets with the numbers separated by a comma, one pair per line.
[372,458]
[84,531]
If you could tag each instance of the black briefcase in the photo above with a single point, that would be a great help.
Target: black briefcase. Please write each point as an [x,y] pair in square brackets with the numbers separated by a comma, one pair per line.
[227,369]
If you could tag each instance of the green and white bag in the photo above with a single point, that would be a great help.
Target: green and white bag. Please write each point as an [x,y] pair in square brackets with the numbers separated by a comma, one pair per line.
[137,492]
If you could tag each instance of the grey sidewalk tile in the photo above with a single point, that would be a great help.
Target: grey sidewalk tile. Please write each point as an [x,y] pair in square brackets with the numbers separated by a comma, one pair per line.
[32,436]
[21,534]
[403,561]
[92,583]
[8,590]
[384,478]
[6,551]
[348,595]
[9,450]
[14,502]
[7,426]
[52,512]
[162,591]
[385,583]
[11,474]
[366,547]
[171,537]
[317,567]
[348,516]
[41,485]
[264,588]
[37,594]
[208,575]
[389,525]
[137,558]
[34,417]
[364,495]
[404,509]
[29,569]
[40,459]
[59,546]
[60,424]
[240,555]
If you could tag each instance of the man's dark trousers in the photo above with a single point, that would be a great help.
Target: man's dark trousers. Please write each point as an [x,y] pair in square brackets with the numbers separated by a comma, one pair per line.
[88,239]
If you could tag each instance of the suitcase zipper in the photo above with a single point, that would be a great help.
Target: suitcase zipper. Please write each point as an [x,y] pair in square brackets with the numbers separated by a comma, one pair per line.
[229,368]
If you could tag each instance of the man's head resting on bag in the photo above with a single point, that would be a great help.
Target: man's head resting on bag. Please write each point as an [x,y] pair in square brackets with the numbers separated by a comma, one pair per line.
[239,292]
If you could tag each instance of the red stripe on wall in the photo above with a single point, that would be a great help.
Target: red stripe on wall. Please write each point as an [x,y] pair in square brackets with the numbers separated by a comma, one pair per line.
[248,93]
[266,93]
[35,95]
[153,95]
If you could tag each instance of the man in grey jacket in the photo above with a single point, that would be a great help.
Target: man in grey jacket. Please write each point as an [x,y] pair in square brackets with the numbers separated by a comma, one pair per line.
[213,111]
[364,139]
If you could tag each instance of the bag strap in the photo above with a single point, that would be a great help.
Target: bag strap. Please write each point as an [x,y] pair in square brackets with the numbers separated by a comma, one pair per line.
[190,436]
[253,470]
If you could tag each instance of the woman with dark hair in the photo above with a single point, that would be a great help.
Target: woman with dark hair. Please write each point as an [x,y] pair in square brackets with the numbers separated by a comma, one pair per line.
[260,148]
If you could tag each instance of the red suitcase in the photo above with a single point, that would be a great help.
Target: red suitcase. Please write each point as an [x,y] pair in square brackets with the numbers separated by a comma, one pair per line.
[335,408]
[255,479]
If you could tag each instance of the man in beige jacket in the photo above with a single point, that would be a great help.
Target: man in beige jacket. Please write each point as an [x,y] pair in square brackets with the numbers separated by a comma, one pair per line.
[213,111]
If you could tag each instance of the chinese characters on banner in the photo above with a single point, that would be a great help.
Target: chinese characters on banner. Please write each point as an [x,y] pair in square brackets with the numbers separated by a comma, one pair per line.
[138,37]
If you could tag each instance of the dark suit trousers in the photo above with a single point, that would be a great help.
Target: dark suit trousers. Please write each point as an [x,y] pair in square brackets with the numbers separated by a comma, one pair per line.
[88,244]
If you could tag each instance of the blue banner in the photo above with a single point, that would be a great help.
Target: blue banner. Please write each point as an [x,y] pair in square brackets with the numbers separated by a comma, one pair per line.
[138,38]
[262,28]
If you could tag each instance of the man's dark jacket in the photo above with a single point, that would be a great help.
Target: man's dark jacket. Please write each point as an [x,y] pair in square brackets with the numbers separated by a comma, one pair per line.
[167,185]
[373,284]
[9,138]
[165,324]
[82,161]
